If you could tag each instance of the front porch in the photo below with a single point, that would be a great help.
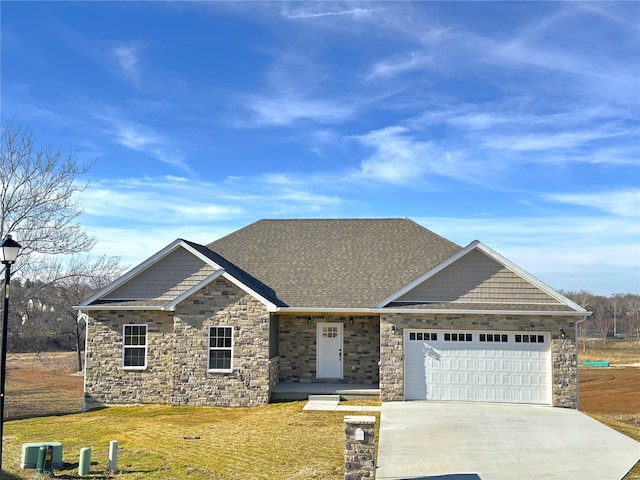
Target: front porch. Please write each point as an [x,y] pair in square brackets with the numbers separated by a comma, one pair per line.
[301,391]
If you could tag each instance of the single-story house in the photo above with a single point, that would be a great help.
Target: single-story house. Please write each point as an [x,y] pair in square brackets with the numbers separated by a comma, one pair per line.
[381,302]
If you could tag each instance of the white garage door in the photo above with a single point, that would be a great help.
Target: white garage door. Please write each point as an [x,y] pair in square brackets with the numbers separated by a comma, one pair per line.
[476,366]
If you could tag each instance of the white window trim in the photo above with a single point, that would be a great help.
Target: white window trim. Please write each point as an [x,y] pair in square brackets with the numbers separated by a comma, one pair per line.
[210,348]
[146,343]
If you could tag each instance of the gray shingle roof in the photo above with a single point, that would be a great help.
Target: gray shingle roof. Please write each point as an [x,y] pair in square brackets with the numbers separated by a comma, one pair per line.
[330,263]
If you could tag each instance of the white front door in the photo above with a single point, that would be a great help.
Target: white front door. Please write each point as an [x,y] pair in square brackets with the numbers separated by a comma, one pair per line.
[329,359]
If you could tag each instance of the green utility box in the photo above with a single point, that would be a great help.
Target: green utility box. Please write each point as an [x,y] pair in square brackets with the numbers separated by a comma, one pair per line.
[30,451]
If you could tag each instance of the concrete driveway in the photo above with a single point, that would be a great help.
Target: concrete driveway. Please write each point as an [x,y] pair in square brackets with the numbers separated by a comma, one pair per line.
[481,441]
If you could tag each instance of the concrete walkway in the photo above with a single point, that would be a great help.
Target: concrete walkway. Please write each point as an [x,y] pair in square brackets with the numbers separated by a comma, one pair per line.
[423,440]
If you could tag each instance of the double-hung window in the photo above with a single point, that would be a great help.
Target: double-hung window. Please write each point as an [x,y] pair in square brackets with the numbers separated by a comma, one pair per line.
[220,349]
[134,347]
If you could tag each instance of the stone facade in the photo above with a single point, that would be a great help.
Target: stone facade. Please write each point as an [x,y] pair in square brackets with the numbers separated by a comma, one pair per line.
[221,304]
[177,353]
[106,382]
[361,348]
[563,350]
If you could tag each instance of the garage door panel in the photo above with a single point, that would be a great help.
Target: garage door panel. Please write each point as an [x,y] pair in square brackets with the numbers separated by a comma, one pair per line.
[496,369]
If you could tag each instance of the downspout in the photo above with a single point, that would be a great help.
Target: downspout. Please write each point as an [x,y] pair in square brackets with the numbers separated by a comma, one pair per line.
[83,316]
[584,319]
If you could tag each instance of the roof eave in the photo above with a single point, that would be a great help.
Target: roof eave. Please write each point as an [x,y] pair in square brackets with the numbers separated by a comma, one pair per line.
[118,307]
[308,310]
[554,313]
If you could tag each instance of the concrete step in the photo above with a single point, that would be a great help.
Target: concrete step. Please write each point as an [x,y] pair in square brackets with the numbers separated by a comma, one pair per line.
[324,398]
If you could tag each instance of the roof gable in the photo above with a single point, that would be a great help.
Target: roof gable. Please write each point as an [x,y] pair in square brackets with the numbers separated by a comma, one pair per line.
[479,278]
[167,278]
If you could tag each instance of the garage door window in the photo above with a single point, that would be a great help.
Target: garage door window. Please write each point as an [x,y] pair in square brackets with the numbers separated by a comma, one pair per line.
[494,337]
[423,336]
[529,338]
[458,337]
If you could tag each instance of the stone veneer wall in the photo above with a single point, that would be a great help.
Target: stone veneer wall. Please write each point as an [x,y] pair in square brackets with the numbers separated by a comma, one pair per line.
[565,371]
[361,349]
[177,354]
[359,453]
[274,371]
[563,351]
[221,303]
[106,382]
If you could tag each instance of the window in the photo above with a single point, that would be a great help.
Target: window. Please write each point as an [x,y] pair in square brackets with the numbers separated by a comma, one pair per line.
[220,349]
[134,347]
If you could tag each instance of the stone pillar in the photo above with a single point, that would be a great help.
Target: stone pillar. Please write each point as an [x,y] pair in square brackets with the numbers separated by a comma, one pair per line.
[359,448]
[565,372]
[391,359]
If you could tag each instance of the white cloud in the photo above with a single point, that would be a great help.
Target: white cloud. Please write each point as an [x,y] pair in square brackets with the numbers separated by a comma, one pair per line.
[624,203]
[284,110]
[312,11]
[399,158]
[148,202]
[550,140]
[128,59]
[401,64]
[143,139]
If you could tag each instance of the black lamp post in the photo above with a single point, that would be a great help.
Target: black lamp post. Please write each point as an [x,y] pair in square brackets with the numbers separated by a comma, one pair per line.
[8,253]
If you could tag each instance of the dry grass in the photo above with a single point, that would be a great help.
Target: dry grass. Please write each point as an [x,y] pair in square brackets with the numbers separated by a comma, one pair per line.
[616,352]
[277,441]
[42,384]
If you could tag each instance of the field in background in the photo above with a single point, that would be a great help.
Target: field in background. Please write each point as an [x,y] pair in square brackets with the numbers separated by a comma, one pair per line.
[42,384]
[153,443]
[616,352]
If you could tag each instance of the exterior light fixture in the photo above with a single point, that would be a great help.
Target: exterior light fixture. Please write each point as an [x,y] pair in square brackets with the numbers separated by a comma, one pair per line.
[393,329]
[9,249]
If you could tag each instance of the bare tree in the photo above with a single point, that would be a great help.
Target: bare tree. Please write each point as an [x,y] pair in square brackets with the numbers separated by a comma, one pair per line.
[83,278]
[37,198]
[39,189]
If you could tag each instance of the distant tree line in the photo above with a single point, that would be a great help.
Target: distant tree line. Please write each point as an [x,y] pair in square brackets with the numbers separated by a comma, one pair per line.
[613,316]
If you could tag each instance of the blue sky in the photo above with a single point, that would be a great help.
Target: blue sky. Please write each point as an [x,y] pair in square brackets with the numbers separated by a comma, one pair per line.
[513,123]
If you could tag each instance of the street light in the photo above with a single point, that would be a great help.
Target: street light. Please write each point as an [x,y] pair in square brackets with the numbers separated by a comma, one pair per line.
[615,312]
[9,249]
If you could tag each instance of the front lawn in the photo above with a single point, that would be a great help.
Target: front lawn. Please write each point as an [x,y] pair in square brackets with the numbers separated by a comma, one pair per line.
[277,441]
